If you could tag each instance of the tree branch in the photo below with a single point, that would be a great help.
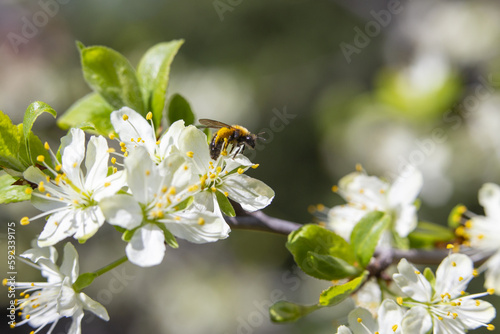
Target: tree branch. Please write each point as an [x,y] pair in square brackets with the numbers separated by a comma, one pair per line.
[259,221]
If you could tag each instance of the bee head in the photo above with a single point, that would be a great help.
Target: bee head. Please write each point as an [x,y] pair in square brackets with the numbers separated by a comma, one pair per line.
[250,140]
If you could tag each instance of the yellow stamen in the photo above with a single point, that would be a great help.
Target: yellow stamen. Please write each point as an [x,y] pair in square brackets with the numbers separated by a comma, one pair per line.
[125,117]
[491,291]
[255,166]
[58,168]
[148,172]
[241,170]
[149,116]
[399,300]
[113,160]
[394,328]
[28,191]
[190,154]
[111,150]
[107,184]
[41,187]
[490,327]
[226,193]
[201,221]
[40,158]
[112,136]
[359,168]
[46,146]
[335,188]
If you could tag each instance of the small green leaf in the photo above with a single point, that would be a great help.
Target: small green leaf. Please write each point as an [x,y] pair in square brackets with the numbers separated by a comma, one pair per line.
[90,111]
[10,141]
[284,311]
[429,275]
[10,193]
[83,281]
[179,108]
[337,293]
[224,204]
[327,267]
[366,233]
[185,203]
[34,110]
[455,217]
[127,236]
[427,234]
[169,237]
[110,74]
[36,148]
[153,74]
[312,245]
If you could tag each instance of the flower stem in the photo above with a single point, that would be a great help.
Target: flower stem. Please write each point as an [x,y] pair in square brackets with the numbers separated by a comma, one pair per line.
[110,266]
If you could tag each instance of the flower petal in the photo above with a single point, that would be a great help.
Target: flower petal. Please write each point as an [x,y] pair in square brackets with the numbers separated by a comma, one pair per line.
[69,266]
[406,219]
[366,318]
[116,181]
[198,227]
[91,305]
[453,275]
[194,140]
[343,218]
[366,191]
[475,313]
[489,198]
[252,194]
[147,246]
[142,177]
[492,275]
[87,222]
[406,187]
[390,314]
[343,330]
[73,152]
[412,282]
[76,323]
[133,128]
[417,320]
[170,138]
[96,162]
[37,253]
[59,226]
[122,210]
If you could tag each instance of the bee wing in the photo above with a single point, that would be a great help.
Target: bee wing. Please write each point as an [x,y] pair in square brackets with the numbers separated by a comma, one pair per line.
[210,123]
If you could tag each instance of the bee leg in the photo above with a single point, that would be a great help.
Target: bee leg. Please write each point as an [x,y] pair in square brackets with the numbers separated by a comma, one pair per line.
[239,150]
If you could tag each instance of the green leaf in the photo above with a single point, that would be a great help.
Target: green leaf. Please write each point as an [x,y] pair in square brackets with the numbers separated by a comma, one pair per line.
[366,233]
[185,203]
[10,141]
[337,293]
[83,281]
[224,204]
[327,267]
[429,275]
[90,111]
[128,234]
[36,148]
[10,193]
[153,74]
[169,237]
[427,234]
[34,110]
[110,74]
[455,217]
[179,108]
[312,245]
[284,311]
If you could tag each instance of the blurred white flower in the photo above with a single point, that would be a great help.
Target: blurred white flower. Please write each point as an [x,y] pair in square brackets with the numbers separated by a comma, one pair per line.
[442,303]
[483,234]
[44,303]
[70,197]
[366,194]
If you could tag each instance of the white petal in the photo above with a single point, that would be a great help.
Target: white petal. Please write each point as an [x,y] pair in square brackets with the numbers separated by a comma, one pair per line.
[233,163]
[37,253]
[453,275]
[366,318]
[343,218]
[147,247]
[170,138]
[412,284]
[406,187]
[194,140]
[133,128]
[142,177]
[204,201]
[364,190]
[122,210]
[88,221]
[343,330]
[447,325]
[406,219]
[489,198]
[252,194]
[91,305]
[189,227]
[96,162]
[59,226]
[492,275]
[35,175]
[416,321]
[69,266]
[76,323]
[73,152]
[389,314]
[116,181]
[473,315]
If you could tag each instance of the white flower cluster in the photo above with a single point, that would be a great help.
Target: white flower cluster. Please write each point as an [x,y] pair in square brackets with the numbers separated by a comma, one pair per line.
[438,303]
[168,188]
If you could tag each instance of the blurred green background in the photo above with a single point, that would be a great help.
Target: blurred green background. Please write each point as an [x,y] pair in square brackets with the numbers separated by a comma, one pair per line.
[332,83]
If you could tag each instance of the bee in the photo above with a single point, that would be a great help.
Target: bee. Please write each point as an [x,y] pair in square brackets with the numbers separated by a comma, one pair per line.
[226,135]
